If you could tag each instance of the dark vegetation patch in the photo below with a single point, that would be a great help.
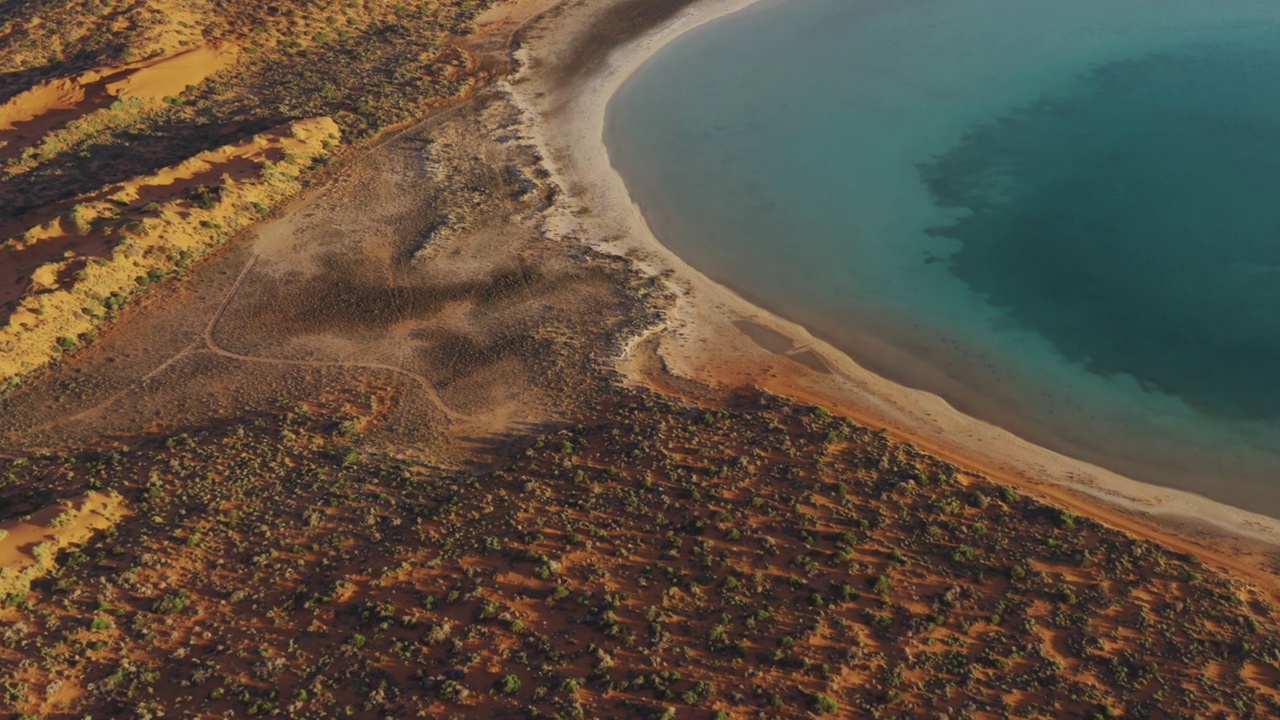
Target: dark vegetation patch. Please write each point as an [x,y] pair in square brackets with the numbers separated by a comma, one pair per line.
[455,356]
[353,295]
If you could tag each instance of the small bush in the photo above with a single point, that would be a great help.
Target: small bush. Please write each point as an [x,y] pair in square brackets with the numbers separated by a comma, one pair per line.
[205,198]
[822,705]
[170,604]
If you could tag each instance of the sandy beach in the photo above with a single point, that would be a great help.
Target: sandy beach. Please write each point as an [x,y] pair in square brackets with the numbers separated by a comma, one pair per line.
[712,337]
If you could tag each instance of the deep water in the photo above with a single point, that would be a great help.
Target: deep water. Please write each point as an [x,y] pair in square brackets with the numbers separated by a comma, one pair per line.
[1145,237]
[1062,217]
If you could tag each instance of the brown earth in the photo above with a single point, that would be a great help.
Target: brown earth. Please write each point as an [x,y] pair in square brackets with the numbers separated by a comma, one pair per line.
[749,558]
[374,456]
[96,97]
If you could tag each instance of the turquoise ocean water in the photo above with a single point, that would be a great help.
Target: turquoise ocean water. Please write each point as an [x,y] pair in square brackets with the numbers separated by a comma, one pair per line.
[1062,217]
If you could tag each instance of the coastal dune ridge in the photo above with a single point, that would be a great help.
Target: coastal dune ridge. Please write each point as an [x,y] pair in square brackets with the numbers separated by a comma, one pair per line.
[713,336]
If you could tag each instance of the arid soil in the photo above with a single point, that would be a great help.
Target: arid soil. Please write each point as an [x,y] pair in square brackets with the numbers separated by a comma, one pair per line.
[421,443]
[137,136]
[659,559]
[420,267]
[421,264]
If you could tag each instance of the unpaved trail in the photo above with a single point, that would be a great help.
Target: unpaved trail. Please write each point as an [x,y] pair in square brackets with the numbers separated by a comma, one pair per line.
[211,344]
[207,342]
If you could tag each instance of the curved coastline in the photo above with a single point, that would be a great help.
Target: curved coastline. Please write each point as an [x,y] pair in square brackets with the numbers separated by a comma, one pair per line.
[714,336]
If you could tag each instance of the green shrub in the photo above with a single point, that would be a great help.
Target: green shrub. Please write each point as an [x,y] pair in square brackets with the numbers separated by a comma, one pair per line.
[1068,519]
[822,705]
[170,604]
[205,198]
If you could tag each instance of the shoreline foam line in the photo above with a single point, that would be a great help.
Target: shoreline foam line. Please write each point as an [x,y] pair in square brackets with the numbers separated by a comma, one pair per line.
[700,341]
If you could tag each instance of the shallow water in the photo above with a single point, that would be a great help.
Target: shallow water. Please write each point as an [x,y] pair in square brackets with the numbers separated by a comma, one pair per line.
[1062,217]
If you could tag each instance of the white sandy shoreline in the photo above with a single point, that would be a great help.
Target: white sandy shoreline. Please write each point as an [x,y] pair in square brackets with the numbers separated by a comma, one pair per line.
[702,341]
